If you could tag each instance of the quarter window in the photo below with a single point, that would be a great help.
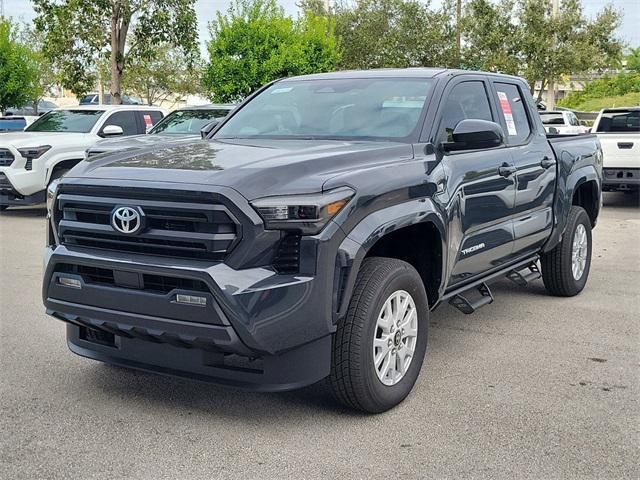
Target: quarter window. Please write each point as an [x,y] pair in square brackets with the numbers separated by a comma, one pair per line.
[465,100]
[513,112]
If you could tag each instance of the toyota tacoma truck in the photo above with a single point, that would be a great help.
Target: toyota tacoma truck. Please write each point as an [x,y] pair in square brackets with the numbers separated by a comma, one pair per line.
[56,141]
[619,132]
[311,235]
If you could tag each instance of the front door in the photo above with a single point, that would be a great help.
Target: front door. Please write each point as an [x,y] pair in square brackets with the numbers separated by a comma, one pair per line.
[480,188]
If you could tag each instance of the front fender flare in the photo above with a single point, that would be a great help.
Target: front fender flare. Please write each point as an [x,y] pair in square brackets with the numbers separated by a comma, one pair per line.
[368,231]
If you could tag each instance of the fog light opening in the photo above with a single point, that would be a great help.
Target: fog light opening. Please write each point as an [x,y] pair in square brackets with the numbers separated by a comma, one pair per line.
[69,282]
[191,300]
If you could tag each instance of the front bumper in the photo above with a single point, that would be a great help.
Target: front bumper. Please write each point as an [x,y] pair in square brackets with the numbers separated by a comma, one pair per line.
[621,179]
[9,196]
[258,330]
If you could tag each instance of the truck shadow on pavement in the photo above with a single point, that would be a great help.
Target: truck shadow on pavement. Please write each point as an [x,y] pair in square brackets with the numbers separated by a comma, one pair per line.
[26,212]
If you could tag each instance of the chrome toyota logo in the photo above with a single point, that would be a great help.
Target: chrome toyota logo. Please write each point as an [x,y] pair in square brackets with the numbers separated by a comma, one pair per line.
[127,220]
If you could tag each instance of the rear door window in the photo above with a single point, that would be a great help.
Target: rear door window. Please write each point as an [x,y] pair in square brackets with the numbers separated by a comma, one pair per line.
[513,112]
[149,119]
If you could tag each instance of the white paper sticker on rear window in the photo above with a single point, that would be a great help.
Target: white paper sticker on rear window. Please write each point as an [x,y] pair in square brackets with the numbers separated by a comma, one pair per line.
[505,106]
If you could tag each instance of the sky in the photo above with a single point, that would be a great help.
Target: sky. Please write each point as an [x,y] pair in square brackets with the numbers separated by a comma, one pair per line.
[206,11]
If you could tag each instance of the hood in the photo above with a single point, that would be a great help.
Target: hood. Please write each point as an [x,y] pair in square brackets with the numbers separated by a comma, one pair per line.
[34,139]
[138,141]
[255,168]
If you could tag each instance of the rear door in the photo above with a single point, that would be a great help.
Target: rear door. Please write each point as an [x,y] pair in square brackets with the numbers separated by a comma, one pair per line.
[535,163]
[480,199]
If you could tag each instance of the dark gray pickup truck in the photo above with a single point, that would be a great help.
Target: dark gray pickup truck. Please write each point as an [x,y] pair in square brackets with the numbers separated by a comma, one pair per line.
[316,229]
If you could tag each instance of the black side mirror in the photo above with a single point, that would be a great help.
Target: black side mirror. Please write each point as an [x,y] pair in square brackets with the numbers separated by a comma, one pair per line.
[470,134]
[208,128]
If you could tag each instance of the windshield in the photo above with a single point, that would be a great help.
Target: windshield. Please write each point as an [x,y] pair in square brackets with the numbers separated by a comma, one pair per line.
[371,108]
[552,118]
[78,121]
[12,124]
[622,121]
[187,122]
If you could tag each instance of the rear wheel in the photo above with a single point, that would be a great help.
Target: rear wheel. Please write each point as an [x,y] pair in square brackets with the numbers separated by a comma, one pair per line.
[379,346]
[565,269]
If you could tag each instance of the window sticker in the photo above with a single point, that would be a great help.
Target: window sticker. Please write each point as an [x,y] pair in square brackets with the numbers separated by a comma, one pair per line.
[148,122]
[506,111]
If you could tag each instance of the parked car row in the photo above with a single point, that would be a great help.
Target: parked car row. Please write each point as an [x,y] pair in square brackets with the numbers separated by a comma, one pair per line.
[55,142]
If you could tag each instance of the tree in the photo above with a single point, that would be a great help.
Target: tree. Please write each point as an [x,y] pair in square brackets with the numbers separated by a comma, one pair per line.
[167,73]
[396,33]
[255,43]
[523,37]
[47,74]
[633,60]
[18,69]
[78,33]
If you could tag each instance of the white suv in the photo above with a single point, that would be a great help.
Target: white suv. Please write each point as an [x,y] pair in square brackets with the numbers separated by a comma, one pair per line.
[56,141]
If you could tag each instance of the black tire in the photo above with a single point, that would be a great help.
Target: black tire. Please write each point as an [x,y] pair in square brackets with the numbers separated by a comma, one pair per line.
[557,274]
[353,379]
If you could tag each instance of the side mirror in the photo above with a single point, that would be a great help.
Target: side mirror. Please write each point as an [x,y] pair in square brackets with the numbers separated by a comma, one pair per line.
[112,131]
[208,128]
[554,131]
[470,134]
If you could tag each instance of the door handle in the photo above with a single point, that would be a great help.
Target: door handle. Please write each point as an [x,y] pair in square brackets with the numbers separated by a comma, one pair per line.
[547,162]
[506,170]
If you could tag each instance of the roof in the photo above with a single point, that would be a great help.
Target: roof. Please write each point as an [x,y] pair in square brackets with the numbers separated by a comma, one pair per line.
[414,72]
[111,107]
[209,106]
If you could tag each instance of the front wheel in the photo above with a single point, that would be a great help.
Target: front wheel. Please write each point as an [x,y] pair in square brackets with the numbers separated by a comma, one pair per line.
[565,269]
[379,346]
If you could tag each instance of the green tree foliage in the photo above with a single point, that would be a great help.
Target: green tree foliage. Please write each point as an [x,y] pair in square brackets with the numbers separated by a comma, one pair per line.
[255,43]
[18,69]
[396,33]
[617,85]
[633,60]
[79,33]
[164,75]
[523,37]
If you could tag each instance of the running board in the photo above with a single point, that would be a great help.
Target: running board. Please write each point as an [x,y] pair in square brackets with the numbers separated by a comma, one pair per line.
[467,306]
[524,279]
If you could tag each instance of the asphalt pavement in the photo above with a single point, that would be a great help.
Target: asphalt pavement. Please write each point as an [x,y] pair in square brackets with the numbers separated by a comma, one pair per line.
[531,386]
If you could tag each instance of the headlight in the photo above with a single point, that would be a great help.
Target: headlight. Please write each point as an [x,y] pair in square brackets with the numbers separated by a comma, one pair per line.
[307,214]
[52,189]
[34,152]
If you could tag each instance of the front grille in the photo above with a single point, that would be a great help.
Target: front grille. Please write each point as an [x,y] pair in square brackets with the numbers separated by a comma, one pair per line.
[5,184]
[177,223]
[161,284]
[6,157]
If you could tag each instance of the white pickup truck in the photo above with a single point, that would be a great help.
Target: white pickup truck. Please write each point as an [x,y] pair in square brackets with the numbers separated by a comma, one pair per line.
[619,132]
[564,122]
[56,141]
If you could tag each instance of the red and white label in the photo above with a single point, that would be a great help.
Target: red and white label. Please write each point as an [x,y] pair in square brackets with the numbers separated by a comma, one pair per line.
[148,121]
[505,106]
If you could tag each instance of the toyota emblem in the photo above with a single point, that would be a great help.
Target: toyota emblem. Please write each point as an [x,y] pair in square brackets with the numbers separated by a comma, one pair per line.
[127,220]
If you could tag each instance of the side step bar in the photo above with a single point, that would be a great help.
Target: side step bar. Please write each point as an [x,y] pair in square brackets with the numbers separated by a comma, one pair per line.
[469,306]
[524,279]
[459,297]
